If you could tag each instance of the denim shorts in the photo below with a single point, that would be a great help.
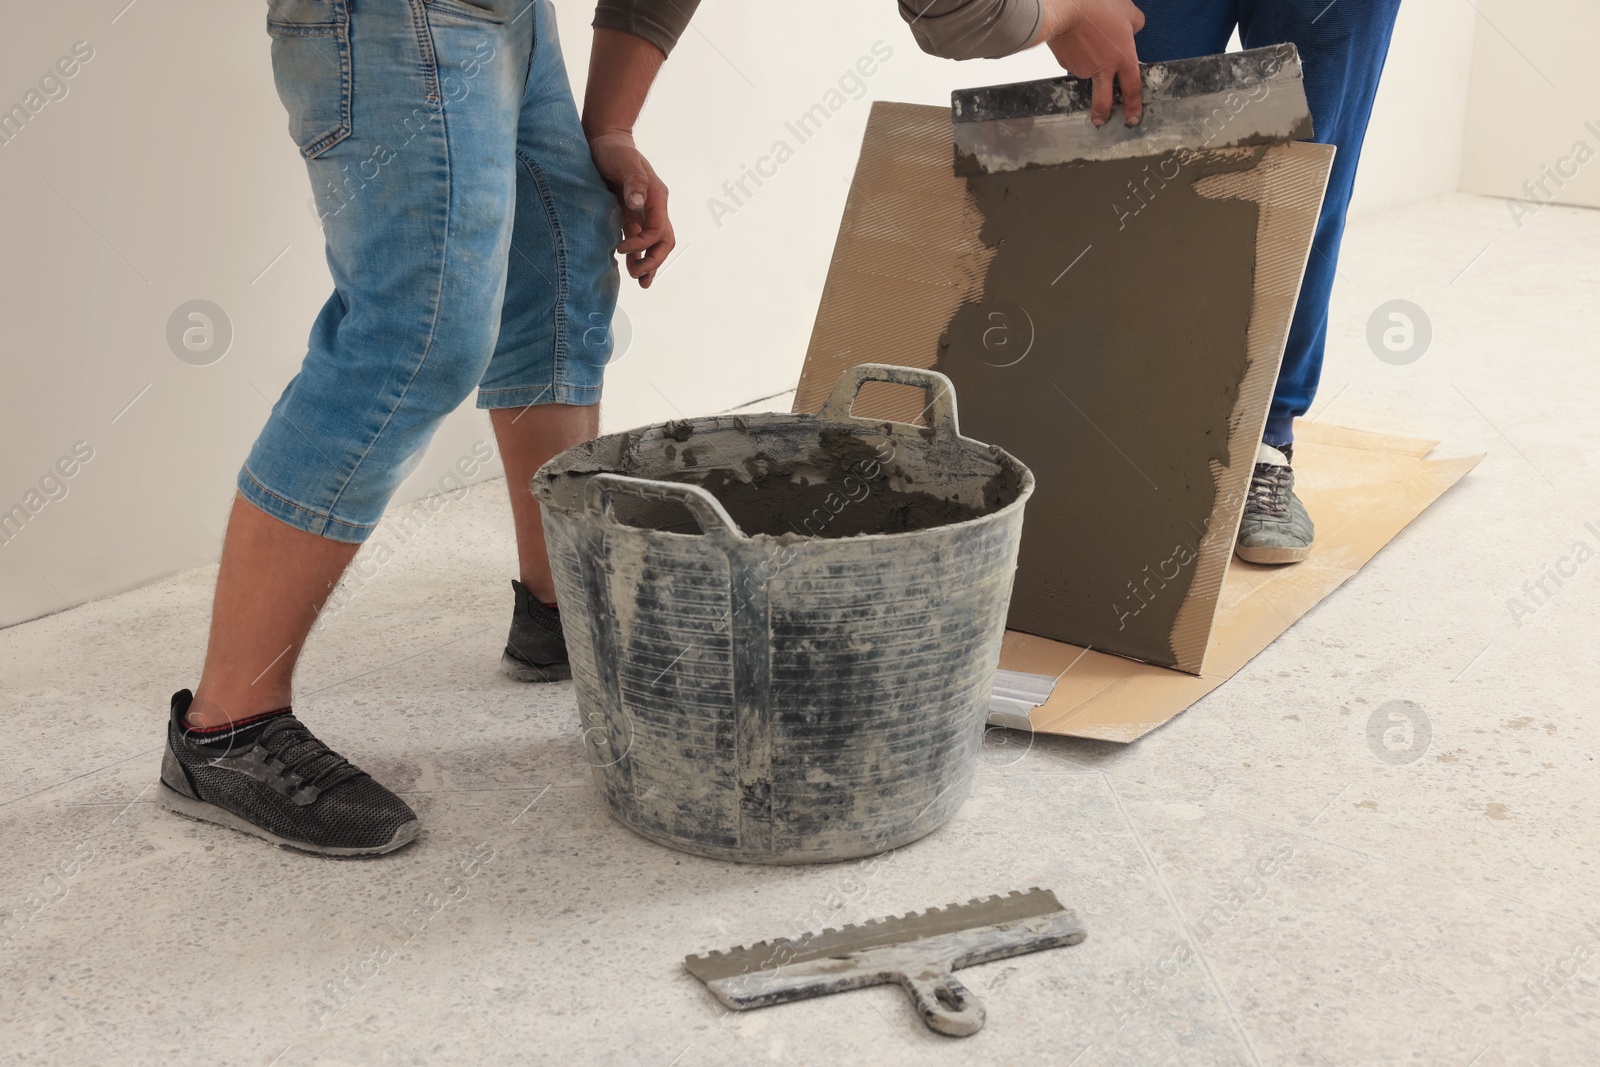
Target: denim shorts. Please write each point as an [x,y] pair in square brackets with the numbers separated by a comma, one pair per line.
[469,236]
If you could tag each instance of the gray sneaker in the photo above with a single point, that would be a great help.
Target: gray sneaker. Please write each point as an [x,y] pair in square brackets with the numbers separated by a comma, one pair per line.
[1276,527]
[268,776]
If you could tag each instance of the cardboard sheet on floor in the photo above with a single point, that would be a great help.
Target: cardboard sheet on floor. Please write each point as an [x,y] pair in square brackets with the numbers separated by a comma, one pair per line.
[1117,325]
[1361,488]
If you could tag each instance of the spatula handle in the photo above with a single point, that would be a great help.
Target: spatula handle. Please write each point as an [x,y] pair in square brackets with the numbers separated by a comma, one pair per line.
[947,1006]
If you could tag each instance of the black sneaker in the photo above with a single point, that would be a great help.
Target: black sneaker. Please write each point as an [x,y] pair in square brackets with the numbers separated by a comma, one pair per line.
[268,776]
[536,651]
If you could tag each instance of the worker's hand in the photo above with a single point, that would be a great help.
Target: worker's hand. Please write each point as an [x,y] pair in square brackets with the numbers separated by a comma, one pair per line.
[1094,39]
[647,237]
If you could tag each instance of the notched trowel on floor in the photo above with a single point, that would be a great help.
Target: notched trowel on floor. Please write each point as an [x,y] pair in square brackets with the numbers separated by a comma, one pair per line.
[1226,101]
[917,951]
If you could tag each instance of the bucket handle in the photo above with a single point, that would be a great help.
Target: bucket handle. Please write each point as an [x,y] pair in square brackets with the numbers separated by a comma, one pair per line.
[705,508]
[941,407]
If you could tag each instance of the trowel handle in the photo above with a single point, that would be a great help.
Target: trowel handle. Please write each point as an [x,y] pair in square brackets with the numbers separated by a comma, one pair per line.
[705,508]
[946,1005]
[941,408]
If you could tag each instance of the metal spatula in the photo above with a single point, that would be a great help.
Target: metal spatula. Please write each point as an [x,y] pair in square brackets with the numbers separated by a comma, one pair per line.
[918,951]
[1227,101]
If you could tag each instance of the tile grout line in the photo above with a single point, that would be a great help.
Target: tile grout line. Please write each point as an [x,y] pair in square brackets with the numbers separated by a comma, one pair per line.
[78,777]
[1373,856]
[1183,924]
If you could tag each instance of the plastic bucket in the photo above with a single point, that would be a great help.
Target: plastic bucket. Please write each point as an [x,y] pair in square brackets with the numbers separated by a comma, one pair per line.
[784,628]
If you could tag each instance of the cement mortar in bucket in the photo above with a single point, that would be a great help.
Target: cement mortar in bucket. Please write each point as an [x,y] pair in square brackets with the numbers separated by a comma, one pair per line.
[784,628]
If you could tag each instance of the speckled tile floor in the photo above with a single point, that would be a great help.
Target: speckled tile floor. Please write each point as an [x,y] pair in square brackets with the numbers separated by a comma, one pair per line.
[1271,879]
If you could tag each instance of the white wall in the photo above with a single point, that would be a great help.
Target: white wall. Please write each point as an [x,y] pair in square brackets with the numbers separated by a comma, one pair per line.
[730,318]
[1533,128]
[165,175]
[1414,140]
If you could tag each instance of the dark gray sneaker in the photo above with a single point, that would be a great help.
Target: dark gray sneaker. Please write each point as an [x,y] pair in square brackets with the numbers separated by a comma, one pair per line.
[536,651]
[268,776]
[1276,527]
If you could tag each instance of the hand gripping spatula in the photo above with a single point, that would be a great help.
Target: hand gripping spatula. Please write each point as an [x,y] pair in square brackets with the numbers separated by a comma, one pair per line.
[1234,100]
[918,951]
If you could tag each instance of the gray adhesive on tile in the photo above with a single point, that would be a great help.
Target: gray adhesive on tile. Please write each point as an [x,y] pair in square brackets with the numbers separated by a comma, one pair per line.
[1124,347]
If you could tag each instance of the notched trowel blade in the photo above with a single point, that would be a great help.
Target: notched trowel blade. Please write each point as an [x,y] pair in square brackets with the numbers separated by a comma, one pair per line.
[1226,101]
[918,951]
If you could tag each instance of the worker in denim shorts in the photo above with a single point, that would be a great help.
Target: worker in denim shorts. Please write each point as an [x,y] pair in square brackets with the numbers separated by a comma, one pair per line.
[471,221]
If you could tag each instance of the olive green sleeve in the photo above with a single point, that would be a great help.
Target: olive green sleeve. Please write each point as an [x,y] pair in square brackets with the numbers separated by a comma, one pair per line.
[972,29]
[661,22]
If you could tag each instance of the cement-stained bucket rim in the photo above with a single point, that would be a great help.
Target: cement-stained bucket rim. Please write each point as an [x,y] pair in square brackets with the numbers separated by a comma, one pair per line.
[943,430]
